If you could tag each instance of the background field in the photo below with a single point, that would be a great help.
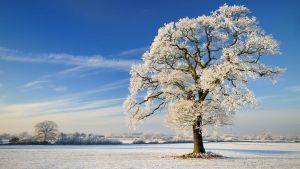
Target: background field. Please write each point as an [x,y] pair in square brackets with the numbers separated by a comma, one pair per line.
[238,155]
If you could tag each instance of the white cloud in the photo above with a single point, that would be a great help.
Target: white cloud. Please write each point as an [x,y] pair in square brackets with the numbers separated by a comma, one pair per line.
[77,66]
[295,88]
[133,51]
[71,106]
[60,89]
[75,104]
[268,97]
[90,62]
[37,84]
[43,84]
[103,88]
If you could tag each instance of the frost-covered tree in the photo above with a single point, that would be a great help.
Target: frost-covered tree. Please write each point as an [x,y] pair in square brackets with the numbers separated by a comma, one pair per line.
[46,131]
[197,70]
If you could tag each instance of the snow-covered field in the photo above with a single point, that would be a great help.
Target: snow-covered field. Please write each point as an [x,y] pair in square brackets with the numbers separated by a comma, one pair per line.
[238,155]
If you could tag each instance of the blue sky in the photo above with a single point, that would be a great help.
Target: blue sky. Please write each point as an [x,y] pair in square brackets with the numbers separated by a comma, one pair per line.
[68,61]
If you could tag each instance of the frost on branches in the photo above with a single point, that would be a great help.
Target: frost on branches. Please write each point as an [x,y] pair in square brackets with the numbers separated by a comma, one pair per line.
[197,69]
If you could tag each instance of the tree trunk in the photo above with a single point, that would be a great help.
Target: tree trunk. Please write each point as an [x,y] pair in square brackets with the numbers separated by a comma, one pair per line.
[198,140]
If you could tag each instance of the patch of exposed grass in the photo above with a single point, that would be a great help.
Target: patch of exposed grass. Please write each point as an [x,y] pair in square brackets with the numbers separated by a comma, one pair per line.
[208,155]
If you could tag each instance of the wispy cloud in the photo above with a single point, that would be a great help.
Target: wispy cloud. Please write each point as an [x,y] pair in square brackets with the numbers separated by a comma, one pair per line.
[103,88]
[60,89]
[135,51]
[80,62]
[67,105]
[43,84]
[268,97]
[76,66]
[295,88]
[75,104]
[37,84]
[280,98]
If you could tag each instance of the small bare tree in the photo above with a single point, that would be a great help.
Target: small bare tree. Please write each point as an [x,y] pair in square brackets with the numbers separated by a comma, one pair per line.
[46,131]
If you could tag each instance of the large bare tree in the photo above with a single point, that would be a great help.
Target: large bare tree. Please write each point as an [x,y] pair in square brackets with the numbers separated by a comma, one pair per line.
[46,131]
[197,70]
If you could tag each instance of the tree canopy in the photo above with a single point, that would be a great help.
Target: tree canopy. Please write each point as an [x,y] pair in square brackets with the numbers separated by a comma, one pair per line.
[197,69]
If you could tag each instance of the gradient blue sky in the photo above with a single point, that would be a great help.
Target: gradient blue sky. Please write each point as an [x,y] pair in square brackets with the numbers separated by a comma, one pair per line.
[69,60]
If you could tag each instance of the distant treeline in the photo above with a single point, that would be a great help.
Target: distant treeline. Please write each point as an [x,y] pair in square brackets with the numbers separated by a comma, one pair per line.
[61,139]
[165,142]
[46,132]
[84,139]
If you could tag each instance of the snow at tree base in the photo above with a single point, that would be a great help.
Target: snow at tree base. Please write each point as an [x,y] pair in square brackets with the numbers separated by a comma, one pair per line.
[197,70]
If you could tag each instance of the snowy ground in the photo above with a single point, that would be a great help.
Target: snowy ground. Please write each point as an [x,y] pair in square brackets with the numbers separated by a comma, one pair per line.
[238,155]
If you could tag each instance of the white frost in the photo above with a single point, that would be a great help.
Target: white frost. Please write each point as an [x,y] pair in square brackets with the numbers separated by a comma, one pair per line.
[197,69]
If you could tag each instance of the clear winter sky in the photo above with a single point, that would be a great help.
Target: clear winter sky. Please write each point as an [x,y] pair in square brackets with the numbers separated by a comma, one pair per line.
[69,60]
